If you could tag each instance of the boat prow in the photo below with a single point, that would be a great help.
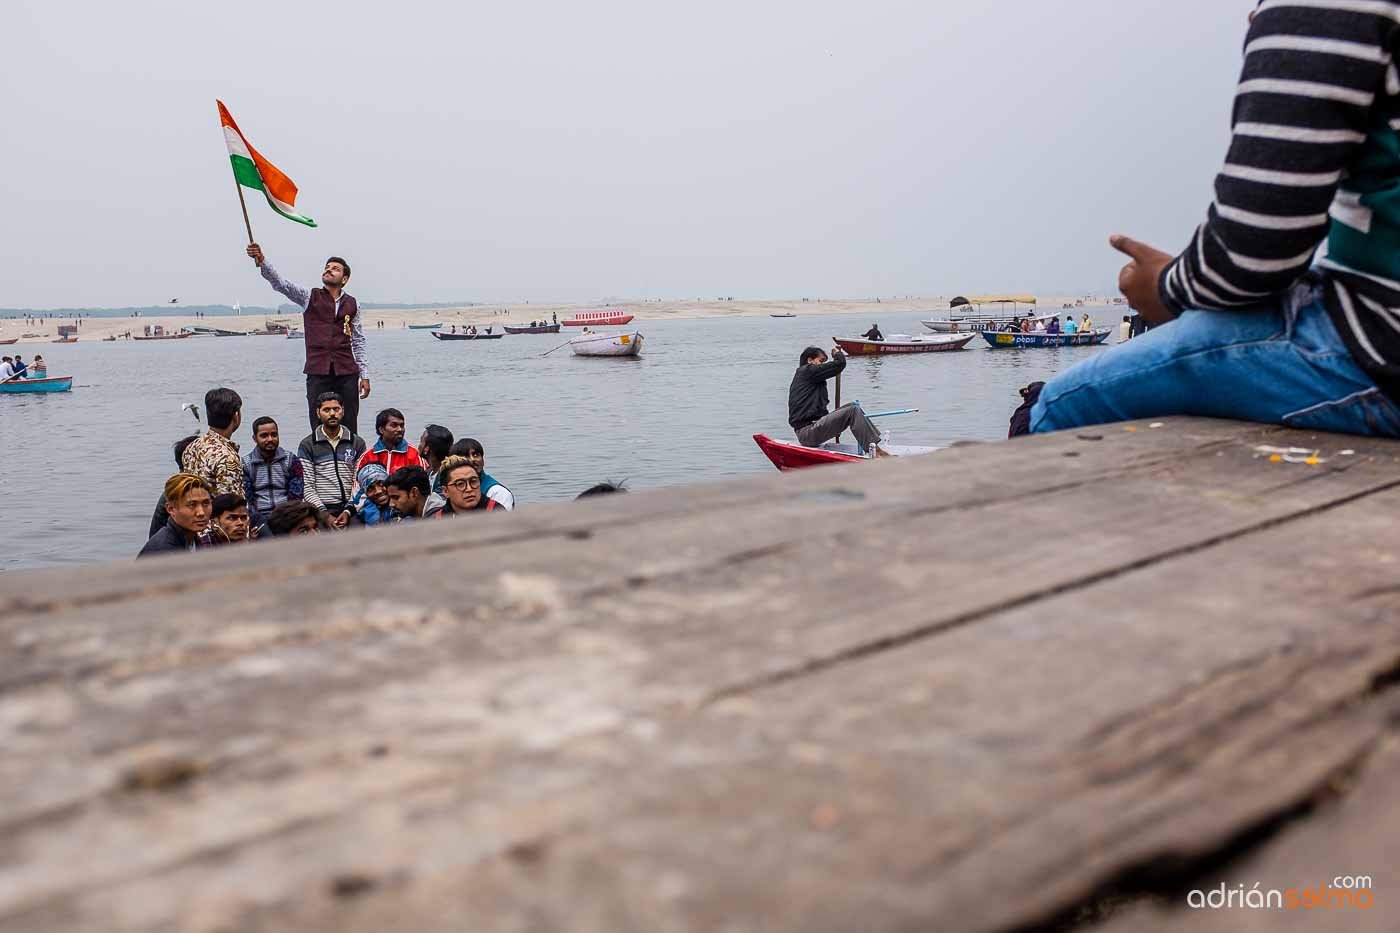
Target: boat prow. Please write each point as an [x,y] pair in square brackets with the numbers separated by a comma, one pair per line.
[787,456]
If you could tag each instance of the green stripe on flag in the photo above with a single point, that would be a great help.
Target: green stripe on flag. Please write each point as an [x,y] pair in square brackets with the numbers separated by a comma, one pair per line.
[297,217]
[246,173]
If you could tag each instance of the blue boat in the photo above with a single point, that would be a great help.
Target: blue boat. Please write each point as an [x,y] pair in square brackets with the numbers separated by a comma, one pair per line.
[1003,340]
[47,384]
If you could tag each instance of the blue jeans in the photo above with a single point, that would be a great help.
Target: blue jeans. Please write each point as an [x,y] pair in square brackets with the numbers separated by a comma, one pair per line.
[1286,366]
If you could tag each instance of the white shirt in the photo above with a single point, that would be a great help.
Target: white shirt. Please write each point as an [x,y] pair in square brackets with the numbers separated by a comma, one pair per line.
[6,370]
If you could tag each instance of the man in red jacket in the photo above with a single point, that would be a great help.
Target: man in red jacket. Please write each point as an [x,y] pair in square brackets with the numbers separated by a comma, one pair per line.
[335,336]
[391,451]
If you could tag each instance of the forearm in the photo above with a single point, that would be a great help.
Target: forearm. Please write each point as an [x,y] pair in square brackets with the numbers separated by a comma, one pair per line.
[1301,111]
[309,491]
[294,293]
[357,346]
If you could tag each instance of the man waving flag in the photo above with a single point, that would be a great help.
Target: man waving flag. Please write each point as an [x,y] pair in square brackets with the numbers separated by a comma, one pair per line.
[251,170]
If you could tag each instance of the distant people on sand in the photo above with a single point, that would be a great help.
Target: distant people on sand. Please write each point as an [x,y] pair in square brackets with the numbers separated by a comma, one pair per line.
[336,359]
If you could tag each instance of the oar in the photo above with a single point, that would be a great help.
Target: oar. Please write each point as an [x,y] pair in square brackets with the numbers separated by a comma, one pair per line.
[898,411]
[838,397]
[560,347]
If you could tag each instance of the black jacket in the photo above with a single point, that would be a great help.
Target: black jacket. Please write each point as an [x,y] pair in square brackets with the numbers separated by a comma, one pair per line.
[807,398]
[174,538]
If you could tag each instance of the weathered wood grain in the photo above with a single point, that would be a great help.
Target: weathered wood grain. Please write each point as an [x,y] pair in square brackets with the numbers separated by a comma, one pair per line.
[959,693]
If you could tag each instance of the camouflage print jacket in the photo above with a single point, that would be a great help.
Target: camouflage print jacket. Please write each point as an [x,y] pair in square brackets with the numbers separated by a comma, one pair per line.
[215,458]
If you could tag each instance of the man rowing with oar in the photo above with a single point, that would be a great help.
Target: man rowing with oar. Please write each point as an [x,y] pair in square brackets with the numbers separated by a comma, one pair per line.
[807,401]
[335,336]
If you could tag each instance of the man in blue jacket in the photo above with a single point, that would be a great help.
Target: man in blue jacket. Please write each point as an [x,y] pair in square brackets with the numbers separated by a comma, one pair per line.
[271,475]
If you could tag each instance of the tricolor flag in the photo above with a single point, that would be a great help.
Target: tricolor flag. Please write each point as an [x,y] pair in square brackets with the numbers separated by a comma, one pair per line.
[251,170]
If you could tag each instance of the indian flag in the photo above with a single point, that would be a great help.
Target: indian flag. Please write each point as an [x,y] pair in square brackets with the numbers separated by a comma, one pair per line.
[251,170]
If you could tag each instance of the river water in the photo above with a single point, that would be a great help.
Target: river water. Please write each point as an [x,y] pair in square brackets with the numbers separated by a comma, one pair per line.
[82,471]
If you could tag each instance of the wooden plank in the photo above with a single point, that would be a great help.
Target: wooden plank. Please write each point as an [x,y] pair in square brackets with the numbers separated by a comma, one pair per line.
[599,706]
[1354,833]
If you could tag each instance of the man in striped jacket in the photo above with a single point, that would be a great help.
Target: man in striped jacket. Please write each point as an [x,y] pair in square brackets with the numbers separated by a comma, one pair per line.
[1285,307]
[328,456]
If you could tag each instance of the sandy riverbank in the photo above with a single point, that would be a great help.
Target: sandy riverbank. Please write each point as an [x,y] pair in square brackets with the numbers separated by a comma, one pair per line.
[885,311]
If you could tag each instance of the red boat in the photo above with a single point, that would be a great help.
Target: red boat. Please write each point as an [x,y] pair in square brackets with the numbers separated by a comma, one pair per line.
[65,340]
[597,318]
[903,343]
[795,456]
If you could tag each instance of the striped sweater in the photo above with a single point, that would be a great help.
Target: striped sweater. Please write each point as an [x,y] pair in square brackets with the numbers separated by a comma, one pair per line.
[1312,177]
[328,473]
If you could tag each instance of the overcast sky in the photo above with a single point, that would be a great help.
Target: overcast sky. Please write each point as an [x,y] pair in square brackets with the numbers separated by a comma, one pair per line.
[578,151]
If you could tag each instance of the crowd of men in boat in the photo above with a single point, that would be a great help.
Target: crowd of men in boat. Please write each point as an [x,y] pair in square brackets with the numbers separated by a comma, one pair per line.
[335,480]
[14,368]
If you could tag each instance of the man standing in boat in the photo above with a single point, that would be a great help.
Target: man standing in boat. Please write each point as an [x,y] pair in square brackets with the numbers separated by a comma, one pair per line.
[807,401]
[335,336]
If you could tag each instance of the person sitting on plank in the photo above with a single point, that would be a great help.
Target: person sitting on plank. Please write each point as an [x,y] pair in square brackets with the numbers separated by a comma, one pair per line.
[1284,307]
[807,401]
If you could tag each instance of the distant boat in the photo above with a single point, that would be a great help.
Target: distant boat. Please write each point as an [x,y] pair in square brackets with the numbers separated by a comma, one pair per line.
[607,344]
[533,329]
[65,340]
[1004,341]
[597,318]
[441,336]
[789,314]
[10,341]
[425,326]
[47,384]
[158,334]
[903,343]
[296,334]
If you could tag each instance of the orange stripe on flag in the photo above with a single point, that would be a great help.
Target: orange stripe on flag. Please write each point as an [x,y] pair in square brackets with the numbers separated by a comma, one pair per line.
[277,184]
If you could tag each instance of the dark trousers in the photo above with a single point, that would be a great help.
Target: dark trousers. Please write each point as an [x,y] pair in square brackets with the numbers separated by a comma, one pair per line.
[347,387]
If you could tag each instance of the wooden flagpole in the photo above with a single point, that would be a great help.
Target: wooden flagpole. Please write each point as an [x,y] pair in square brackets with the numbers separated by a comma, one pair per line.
[244,204]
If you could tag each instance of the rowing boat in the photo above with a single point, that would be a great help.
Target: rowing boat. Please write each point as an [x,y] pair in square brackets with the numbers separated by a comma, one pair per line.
[786,456]
[47,384]
[10,341]
[533,329]
[903,343]
[296,334]
[607,345]
[65,340]
[783,315]
[1004,341]
[441,336]
[425,326]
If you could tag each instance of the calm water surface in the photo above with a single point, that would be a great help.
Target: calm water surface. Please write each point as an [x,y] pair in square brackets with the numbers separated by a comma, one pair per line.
[82,471]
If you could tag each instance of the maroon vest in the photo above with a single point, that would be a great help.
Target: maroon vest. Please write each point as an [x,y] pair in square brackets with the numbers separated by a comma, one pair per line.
[327,343]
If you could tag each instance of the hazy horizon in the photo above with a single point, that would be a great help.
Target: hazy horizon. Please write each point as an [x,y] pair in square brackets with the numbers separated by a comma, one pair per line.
[620,151]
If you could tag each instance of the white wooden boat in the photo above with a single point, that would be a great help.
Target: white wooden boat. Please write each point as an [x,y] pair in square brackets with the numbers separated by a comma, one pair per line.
[629,344]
